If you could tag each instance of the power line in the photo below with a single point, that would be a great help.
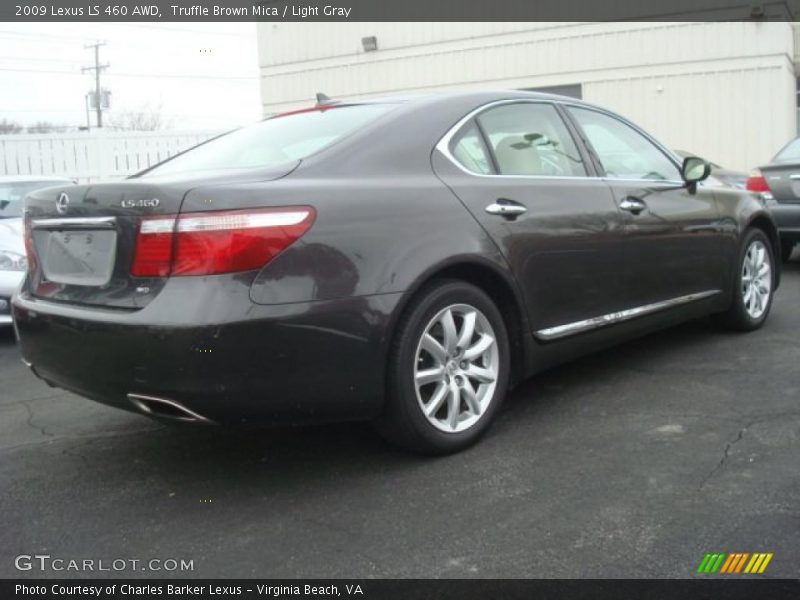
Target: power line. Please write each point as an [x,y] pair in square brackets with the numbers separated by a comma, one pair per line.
[38,110]
[144,75]
[150,28]
[38,60]
[179,29]
[48,36]
[16,70]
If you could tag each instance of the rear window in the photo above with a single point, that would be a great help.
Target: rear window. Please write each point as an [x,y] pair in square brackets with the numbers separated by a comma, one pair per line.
[274,141]
[790,152]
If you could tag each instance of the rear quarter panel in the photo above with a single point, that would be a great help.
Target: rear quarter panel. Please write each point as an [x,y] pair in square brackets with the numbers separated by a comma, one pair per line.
[740,210]
[371,236]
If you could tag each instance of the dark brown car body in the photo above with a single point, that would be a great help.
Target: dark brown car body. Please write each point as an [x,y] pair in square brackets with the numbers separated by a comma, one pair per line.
[306,337]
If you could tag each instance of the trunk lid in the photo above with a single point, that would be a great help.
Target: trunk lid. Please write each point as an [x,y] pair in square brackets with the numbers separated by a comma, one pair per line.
[783,180]
[81,238]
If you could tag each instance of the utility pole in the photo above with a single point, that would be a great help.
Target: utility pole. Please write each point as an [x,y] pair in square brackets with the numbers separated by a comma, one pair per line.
[97,68]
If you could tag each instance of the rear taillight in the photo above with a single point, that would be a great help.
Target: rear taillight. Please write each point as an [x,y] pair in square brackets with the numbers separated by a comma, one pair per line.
[29,246]
[216,242]
[756,183]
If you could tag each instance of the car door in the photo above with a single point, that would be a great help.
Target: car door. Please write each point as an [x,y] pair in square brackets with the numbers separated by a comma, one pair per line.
[673,250]
[518,169]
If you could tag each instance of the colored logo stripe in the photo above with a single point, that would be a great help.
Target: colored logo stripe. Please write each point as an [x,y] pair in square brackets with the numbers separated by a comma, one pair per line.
[710,563]
[734,563]
[758,563]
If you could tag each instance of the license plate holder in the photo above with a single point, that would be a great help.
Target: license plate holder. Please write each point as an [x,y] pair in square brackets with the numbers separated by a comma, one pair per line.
[77,257]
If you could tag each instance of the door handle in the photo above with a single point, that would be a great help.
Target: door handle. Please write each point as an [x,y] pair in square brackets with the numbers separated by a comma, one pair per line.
[632,205]
[506,208]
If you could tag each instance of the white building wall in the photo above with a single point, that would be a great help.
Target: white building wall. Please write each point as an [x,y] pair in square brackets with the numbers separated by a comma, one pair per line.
[722,90]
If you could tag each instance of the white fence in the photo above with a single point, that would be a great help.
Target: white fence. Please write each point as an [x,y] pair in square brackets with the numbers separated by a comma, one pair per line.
[89,156]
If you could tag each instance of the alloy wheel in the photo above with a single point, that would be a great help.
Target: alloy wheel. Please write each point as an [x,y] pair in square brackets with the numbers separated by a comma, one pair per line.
[456,368]
[756,279]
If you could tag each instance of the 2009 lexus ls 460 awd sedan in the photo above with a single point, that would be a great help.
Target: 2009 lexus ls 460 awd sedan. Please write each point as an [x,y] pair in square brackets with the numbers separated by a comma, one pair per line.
[403,260]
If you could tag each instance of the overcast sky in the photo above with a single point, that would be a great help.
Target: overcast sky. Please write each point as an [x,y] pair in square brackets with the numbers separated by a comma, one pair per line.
[203,75]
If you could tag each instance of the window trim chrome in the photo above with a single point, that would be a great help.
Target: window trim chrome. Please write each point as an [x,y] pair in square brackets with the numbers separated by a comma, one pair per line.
[569,329]
[443,145]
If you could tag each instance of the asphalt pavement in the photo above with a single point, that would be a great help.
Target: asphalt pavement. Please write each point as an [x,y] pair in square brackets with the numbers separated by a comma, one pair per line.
[631,463]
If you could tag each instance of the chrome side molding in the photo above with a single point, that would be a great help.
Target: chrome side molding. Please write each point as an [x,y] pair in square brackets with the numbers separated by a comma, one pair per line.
[560,331]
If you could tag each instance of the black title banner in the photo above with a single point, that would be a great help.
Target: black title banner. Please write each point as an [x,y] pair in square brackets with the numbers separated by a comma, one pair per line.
[405,589]
[378,10]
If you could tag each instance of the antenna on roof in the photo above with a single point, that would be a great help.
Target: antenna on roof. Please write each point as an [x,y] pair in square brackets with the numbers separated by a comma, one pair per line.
[323,99]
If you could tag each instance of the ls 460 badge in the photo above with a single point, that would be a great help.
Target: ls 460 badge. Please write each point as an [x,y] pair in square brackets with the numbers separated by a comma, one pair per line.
[143,203]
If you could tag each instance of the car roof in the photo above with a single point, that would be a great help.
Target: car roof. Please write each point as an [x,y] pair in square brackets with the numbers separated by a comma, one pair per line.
[412,101]
[479,96]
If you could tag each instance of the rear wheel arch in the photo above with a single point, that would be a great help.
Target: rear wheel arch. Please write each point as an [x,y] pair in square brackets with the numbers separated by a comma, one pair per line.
[495,284]
[765,224]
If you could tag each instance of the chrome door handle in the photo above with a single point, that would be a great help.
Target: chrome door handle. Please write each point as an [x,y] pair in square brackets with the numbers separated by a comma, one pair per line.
[506,208]
[632,205]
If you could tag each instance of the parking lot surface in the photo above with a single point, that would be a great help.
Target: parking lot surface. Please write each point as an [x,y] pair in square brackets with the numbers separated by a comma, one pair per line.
[631,463]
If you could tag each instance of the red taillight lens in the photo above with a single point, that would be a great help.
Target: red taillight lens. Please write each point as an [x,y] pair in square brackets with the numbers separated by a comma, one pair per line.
[153,255]
[756,183]
[29,247]
[217,242]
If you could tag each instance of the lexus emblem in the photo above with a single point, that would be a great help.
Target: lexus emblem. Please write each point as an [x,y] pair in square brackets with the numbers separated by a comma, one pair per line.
[62,203]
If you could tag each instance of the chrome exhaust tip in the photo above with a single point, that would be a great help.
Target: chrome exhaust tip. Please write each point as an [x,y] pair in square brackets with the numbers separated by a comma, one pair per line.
[164,408]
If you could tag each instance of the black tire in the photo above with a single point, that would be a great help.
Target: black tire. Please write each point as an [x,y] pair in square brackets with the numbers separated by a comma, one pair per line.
[737,317]
[787,247]
[403,421]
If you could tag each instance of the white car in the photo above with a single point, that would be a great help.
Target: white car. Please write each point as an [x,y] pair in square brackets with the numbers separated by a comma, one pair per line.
[12,245]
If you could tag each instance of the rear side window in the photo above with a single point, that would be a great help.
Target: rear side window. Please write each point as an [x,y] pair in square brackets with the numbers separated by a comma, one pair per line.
[531,139]
[790,153]
[274,141]
[469,150]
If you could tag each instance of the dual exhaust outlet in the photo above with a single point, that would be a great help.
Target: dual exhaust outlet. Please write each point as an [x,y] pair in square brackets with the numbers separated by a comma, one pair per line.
[164,408]
[151,406]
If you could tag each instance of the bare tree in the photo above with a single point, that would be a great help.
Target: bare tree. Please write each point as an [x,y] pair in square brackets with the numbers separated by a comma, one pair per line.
[146,118]
[47,127]
[7,126]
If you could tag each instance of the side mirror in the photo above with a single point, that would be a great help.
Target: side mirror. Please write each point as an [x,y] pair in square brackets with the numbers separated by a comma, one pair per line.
[694,169]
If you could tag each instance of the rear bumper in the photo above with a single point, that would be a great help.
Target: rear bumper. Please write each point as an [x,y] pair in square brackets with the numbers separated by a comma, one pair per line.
[295,363]
[787,218]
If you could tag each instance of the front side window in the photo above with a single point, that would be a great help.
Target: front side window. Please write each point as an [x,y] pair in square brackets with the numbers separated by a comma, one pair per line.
[531,139]
[274,141]
[624,152]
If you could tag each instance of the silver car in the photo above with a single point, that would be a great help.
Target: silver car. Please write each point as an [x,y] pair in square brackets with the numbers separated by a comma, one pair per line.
[779,185]
[12,246]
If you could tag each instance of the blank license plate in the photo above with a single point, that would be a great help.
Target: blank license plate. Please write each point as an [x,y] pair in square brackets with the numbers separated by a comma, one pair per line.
[77,257]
